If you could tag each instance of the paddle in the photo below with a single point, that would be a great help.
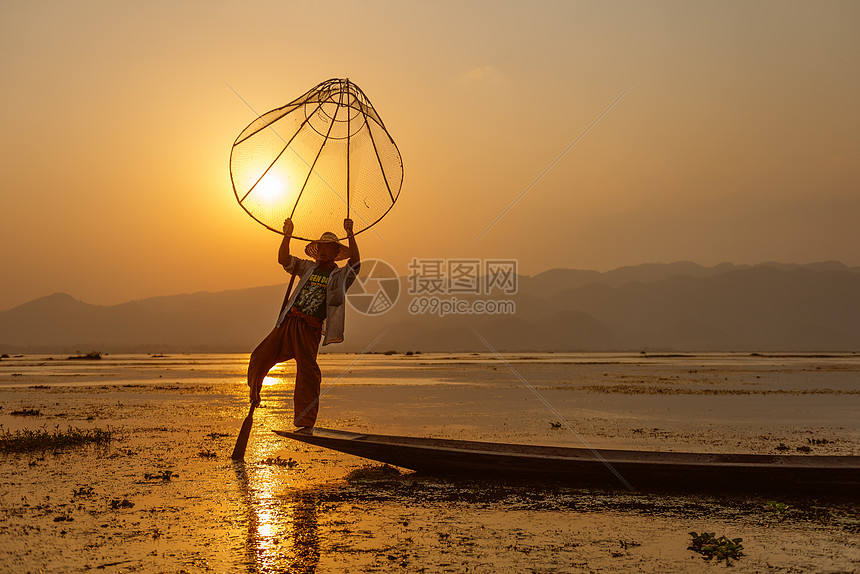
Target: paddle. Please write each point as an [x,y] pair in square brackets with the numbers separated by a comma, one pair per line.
[242,441]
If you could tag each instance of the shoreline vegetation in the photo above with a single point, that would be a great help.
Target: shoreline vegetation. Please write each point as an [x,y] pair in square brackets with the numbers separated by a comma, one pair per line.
[22,441]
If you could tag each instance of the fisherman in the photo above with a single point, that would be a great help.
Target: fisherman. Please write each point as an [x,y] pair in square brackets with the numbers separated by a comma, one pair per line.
[317,304]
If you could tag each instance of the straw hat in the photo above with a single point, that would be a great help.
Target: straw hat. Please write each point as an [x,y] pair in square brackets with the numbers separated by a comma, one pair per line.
[327,237]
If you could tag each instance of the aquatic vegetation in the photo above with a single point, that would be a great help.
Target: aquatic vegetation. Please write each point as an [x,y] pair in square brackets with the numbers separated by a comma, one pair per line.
[116,503]
[649,389]
[91,356]
[779,507]
[26,413]
[163,475]
[43,439]
[206,453]
[555,426]
[278,461]
[720,548]
[823,514]
[83,491]
[372,472]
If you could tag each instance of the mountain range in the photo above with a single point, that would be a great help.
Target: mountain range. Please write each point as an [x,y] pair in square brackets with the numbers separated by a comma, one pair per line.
[679,307]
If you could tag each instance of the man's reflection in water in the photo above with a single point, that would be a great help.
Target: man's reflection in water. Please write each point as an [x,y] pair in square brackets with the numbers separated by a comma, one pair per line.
[282,523]
[306,543]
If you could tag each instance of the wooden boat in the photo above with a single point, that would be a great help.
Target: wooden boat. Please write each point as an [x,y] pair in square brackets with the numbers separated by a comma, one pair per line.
[622,468]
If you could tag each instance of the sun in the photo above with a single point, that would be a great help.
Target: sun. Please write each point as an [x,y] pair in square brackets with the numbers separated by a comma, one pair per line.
[272,189]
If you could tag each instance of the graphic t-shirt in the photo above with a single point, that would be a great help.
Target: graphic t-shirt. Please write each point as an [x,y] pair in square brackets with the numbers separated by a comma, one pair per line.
[311,299]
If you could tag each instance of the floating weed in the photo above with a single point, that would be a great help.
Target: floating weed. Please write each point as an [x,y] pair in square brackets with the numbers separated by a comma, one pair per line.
[206,453]
[278,461]
[779,507]
[782,447]
[555,426]
[325,507]
[116,503]
[720,548]
[819,513]
[214,435]
[91,356]
[83,491]
[42,439]
[163,475]
[818,441]
[372,472]
[26,413]
[804,449]
[623,548]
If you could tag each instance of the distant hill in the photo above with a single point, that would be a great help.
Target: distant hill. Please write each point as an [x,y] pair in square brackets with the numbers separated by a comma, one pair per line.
[204,322]
[655,307]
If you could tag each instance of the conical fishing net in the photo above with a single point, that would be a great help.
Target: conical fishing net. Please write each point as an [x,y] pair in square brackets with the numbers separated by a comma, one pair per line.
[321,158]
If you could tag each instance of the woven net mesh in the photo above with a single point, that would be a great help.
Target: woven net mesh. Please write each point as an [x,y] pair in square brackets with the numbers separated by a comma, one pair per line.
[321,158]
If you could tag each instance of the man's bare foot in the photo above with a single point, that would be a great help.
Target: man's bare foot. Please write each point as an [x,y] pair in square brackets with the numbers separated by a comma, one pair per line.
[304,430]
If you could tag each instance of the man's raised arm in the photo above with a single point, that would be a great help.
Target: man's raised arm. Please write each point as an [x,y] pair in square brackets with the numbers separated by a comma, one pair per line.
[284,249]
[354,256]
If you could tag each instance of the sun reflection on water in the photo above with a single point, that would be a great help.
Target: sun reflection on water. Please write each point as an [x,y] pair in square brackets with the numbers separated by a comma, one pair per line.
[269,381]
[282,522]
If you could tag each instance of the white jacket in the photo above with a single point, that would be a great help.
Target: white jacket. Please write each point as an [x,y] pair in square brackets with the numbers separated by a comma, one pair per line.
[339,281]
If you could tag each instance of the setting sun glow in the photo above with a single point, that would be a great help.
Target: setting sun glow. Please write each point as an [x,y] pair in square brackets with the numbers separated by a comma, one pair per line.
[273,188]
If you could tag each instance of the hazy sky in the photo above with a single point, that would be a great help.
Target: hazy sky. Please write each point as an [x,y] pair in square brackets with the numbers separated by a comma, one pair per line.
[737,142]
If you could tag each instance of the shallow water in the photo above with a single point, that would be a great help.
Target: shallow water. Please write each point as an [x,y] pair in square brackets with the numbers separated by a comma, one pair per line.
[290,507]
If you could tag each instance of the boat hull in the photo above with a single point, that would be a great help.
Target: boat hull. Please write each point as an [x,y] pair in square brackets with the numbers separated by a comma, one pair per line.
[611,468]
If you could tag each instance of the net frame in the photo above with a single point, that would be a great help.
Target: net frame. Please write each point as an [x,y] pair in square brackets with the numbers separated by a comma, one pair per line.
[342,105]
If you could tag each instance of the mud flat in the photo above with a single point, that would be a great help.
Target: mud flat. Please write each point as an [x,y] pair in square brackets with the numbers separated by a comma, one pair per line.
[162,494]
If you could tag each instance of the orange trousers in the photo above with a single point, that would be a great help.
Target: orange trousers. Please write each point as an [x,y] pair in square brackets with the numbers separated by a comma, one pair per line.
[297,338]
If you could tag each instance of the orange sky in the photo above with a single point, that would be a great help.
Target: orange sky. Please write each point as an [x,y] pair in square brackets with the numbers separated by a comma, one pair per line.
[738,142]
